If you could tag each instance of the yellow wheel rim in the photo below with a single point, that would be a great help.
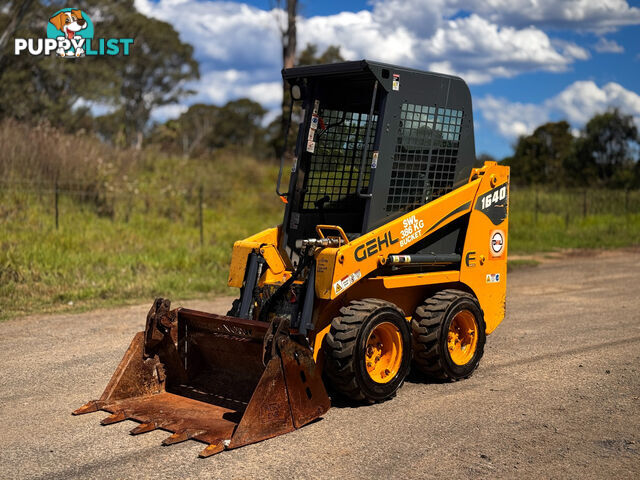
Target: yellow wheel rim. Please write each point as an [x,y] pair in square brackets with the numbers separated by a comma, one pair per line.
[383,352]
[462,338]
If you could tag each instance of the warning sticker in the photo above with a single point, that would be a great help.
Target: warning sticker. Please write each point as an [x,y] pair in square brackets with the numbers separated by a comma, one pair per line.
[396,82]
[311,146]
[493,277]
[316,107]
[346,282]
[374,160]
[314,121]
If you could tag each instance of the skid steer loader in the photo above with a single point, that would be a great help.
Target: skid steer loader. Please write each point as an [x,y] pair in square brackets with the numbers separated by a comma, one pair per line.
[392,253]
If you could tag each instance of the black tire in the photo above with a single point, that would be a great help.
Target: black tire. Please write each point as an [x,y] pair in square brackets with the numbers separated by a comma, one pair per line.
[430,328]
[346,346]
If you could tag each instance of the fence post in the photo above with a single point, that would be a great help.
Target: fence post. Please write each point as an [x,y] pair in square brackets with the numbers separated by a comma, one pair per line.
[200,210]
[584,203]
[56,201]
[626,201]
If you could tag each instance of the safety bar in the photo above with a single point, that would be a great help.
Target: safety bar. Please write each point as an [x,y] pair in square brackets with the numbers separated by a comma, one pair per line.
[365,148]
[284,151]
[335,228]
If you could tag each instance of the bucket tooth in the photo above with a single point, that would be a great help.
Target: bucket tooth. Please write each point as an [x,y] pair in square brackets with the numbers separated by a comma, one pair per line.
[144,428]
[229,398]
[182,436]
[212,449]
[89,407]
[114,418]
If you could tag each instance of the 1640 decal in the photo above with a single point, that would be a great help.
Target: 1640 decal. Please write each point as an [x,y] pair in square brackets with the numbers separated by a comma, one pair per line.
[494,204]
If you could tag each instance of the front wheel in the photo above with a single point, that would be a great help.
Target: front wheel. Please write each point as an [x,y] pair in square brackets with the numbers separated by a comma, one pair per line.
[448,335]
[368,350]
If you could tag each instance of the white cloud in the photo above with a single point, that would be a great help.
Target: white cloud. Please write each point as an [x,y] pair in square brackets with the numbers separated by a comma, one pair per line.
[480,51]
[420,17]
[226,34]
[166,112]
[582,15]
[605,45]
[359,35]
[220,86]
[470,46]
[581,100]
[238,46]
[511,119]
[570,49]
[577,103]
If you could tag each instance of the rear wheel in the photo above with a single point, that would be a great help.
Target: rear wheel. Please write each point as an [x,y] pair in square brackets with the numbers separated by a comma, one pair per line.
[368,350]
[448,335]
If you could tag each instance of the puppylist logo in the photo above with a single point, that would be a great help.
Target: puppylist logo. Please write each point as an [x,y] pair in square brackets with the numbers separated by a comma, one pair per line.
[70,34]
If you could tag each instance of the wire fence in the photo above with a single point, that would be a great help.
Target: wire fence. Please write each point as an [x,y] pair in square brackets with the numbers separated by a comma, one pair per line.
[56,201]
[188,204]
[573,204]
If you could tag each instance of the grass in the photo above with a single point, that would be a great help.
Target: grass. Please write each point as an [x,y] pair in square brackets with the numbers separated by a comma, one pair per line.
[147,246]
[597,219]
[129,222]
[519,263]
[134,255]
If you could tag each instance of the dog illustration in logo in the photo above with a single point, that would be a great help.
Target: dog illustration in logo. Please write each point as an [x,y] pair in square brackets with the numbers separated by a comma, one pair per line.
[69,23]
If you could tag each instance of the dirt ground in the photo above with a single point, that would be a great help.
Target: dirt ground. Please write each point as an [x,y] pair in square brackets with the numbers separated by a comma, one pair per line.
[557,395]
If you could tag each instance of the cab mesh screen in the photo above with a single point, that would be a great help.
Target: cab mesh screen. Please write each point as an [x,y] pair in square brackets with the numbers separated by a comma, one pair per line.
[426,154]
[332,178]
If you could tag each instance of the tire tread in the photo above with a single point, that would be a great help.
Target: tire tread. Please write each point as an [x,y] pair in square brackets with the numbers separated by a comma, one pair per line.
[340,368]
[426,326]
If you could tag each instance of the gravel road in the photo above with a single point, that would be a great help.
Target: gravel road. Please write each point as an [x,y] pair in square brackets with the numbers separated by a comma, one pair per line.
[557,395]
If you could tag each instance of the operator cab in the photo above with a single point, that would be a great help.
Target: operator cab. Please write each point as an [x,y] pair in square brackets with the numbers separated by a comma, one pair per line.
[374,142]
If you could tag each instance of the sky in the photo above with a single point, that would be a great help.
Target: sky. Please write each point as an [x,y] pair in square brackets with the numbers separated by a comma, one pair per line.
[526,61]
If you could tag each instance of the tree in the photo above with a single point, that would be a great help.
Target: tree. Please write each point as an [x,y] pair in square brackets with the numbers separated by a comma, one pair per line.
[156,71]
[49,89]
[289,39]
[309,56]
[239,123]
[606,153]
[16,14]
[63,92]
[540,158]
[203,129]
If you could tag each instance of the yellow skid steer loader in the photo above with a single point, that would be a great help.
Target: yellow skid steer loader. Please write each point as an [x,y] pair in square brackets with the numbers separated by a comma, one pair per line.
[392,253]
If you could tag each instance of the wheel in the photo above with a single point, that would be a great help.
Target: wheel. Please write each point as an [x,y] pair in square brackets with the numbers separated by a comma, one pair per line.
[368,350]
[448,335]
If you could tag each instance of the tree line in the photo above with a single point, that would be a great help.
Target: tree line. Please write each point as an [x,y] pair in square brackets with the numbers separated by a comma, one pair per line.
[603,154]
[62,92]
[69,95]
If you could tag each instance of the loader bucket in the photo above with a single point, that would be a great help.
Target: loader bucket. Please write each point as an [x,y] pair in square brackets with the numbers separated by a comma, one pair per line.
[201,376]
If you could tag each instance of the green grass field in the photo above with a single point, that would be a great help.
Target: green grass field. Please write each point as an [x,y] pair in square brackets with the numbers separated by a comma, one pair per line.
[597,219]
[143,241]
[148,245]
